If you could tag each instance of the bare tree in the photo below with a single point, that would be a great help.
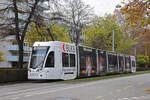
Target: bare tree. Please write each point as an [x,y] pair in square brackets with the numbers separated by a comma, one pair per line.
[79,15]
[16,16]
[75,14]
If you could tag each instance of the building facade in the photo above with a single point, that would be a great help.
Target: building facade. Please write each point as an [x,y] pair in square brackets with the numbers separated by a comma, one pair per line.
[9,47]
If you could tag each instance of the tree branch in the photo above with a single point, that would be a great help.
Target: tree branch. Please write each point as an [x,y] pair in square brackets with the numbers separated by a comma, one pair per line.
[29,19]
[17,30]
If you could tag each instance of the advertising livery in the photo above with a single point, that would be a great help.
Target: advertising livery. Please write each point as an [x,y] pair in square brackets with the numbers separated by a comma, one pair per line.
[87,58]
[102,62]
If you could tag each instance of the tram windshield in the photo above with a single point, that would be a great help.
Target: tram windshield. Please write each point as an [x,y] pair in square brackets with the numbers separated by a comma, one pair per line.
[37,58]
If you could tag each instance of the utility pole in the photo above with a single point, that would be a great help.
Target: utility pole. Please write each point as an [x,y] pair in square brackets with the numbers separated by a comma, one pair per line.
[113,41]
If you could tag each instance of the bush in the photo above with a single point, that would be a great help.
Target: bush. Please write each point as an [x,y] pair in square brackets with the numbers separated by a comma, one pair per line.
[12,75]
[142,60]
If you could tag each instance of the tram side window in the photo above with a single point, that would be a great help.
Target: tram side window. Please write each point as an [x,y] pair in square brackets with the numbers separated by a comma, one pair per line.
[115,60]
[133,64]
[110,60]
[65,59]
[72,60]
[121,62]
[50,60]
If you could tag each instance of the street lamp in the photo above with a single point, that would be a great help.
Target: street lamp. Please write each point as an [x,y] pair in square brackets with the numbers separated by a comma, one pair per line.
[118,6]
[113,33]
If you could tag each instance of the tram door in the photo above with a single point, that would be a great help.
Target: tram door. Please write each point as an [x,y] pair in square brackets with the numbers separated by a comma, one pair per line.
[127,64]
[69,65]
[102,62]
[121,63]
[133,64]
[52,64]
[112,62]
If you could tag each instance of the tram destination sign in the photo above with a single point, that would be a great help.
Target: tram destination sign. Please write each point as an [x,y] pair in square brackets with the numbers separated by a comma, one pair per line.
[39,48]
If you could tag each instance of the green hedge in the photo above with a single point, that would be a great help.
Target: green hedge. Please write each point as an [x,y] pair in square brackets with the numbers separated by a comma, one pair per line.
[12,75]
[142,60]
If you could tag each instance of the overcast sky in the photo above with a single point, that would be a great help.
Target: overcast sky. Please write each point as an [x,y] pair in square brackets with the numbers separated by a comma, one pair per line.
[103,6]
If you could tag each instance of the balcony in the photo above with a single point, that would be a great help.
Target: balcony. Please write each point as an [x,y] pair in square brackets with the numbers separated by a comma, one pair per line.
[11,37]
[15,58]
[15,48]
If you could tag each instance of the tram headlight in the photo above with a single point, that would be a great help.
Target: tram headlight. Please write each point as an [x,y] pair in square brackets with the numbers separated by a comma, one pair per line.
[38,70]
[41,75]
[29,70]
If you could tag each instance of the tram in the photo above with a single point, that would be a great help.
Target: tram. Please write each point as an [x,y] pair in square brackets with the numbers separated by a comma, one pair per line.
[59,60]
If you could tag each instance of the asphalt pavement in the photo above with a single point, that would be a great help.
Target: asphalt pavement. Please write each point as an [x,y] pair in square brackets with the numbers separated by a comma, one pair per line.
[122,88]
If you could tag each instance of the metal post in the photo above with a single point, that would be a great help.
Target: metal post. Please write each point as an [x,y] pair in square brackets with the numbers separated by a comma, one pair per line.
[135,51]
[113,37]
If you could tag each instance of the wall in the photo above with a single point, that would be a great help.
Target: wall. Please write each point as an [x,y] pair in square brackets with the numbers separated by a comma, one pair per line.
[13,75]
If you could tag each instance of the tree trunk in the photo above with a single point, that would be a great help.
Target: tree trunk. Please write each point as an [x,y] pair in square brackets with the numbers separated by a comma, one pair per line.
[21,51]
[77,38]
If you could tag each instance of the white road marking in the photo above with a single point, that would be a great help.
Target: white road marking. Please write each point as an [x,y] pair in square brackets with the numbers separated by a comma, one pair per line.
[15,98]
[28,95]
[141,83]
[28,90]
[145,96]
[118,90]
[136,98]
[32,92]
[127,87]
[99,97]
[111,93]
[124,99]
[63,88]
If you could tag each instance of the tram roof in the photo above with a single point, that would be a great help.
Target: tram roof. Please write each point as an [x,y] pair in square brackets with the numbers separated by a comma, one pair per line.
[49,43]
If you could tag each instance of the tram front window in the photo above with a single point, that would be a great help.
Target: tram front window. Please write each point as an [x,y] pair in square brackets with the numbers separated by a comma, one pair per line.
[37,58]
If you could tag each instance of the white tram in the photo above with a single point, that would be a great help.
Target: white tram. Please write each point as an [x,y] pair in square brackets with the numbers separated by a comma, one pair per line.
[58,60]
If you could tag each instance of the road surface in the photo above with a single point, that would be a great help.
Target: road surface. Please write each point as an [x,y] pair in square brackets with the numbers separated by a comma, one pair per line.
[123,88]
